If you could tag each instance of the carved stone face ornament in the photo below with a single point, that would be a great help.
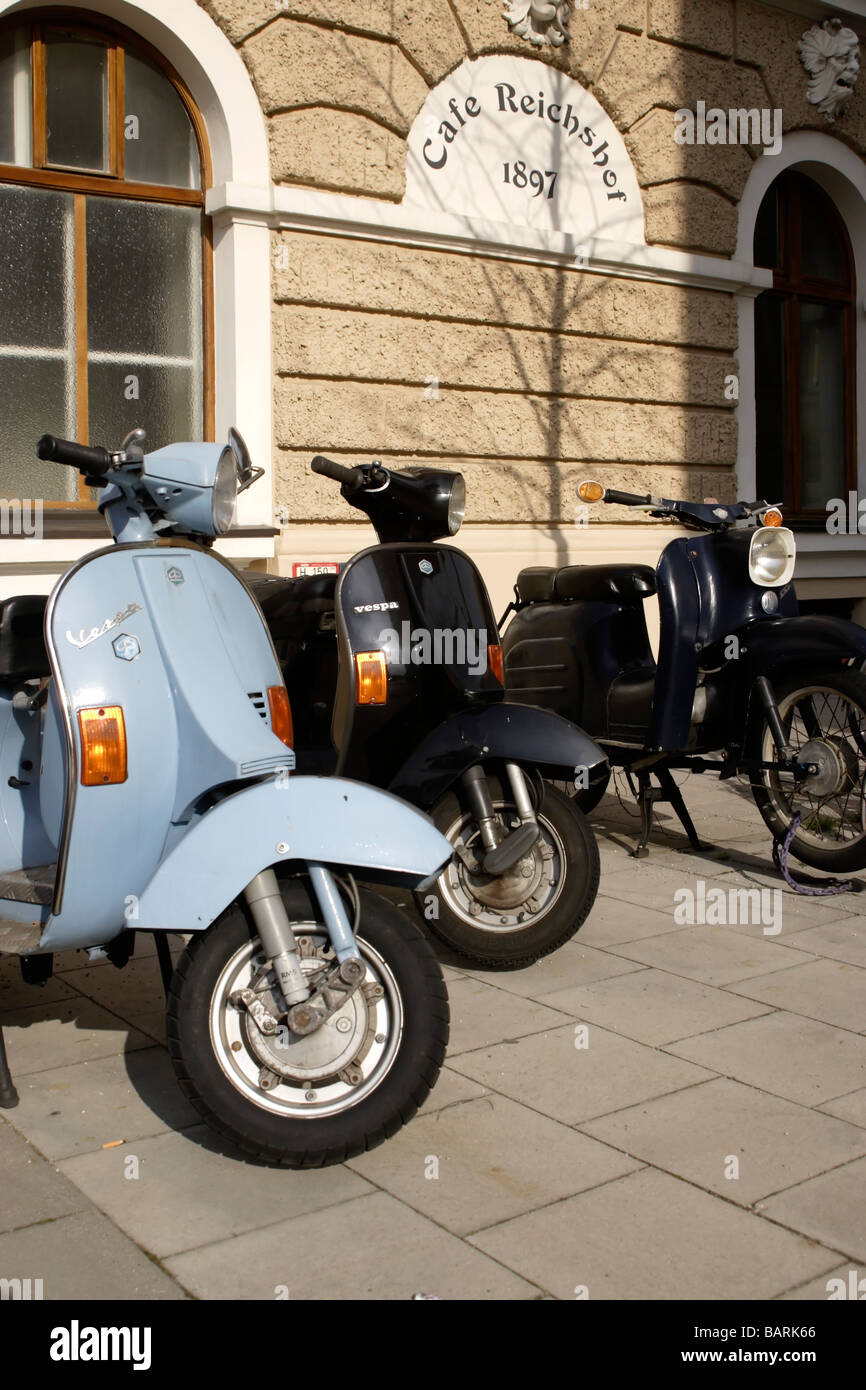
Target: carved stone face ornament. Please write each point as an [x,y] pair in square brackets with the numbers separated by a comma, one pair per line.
[539,22]
[830,53]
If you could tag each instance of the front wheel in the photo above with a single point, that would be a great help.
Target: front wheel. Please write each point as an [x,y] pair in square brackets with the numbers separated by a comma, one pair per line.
[515,918]
[307,1101]
[824,719]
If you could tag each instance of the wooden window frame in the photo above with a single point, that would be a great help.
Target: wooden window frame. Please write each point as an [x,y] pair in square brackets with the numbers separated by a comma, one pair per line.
[112,183]
[793,288]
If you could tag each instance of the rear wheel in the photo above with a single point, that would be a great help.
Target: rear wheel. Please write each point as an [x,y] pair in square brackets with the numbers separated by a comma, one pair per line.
[307,1101]
[824,718]
[513,919]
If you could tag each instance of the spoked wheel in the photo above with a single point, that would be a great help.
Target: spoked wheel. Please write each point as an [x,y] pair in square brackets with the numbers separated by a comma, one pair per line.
[514,918]
[824,718]
[306,1101]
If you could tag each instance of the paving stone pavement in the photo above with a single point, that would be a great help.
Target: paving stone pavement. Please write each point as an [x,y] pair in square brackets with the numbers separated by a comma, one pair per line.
[660,1109]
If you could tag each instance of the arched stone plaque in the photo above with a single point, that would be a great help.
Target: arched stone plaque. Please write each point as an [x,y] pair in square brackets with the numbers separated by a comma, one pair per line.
[508,139]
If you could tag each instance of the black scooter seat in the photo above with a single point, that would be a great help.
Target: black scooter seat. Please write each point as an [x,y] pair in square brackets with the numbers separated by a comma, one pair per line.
[23,655]
[605,583]
[535,585]
[280,597]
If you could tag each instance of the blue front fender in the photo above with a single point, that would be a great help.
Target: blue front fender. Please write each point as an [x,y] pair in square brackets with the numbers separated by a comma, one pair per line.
[325,820]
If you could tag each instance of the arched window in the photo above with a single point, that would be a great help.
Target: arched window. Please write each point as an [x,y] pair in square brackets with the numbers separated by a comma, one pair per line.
[805,350]
[104,248]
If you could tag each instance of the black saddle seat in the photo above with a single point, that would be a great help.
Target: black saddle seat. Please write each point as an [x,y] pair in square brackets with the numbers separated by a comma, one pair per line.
[23,656]
[535,585]
[281,598]
[605,583]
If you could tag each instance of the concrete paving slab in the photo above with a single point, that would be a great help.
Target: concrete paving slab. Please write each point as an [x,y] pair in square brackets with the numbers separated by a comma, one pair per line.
[73,1030]
[612,921]
[696,1134]
[137,988]
[826,1288]
[188,1194]
[650,1236]
[77,1109]
[15,994]
[712,955]
[790,1056]
[548,1073]
[482,1013]
[829,990]
[844,939]
[379,1249]
[84,1257]
[830,1208]
[652,1006]
[851,1107]
[489,1159]
[451,1089]
[576,963]
[31,1189]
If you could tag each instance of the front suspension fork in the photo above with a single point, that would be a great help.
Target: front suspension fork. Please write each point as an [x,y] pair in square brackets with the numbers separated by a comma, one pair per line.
[500,855]
[265,901]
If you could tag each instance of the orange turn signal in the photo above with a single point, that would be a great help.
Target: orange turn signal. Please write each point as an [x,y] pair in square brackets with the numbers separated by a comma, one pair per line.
[772,518]
[590,491]
[494,661]
[103,745]
[371,672]
[281,714]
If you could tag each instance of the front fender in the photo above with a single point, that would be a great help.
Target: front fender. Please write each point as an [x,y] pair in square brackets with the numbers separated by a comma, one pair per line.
[773,645]
[327,820]
[515,733]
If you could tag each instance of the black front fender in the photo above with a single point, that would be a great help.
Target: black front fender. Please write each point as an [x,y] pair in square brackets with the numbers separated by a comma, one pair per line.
[774,646]
[513,733]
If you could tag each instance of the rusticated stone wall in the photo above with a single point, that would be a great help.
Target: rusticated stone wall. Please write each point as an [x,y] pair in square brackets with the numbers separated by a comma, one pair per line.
[543,375]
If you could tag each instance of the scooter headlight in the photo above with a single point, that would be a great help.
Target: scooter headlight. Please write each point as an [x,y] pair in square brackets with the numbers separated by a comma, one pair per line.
[225,492]
[456,504]
[772,555]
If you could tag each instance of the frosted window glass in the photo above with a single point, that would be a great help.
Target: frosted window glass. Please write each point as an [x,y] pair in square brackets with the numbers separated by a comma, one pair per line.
[822,403]
[15,103]
[37,338]
[159,142]
[77,114]
[144,294]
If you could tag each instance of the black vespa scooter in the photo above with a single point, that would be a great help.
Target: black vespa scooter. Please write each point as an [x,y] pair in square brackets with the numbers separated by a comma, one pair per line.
[740,674]
[394,674]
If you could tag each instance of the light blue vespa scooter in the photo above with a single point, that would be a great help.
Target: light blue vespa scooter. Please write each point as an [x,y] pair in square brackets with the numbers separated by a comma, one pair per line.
[145,752]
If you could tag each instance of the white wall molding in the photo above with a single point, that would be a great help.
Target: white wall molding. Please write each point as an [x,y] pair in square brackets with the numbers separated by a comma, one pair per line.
[371,219]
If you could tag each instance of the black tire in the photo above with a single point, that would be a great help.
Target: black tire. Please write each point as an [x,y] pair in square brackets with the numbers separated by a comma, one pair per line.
[828,708]
[513,944]
[281,1127]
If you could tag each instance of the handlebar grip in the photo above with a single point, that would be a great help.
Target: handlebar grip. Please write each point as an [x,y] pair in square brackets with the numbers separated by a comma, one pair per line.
[95,461]
[625,499]
[349,477]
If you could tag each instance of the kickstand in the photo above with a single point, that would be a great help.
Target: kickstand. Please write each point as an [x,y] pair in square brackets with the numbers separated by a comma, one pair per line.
[807,885]
[667,790]
[163,955]
[8,1093]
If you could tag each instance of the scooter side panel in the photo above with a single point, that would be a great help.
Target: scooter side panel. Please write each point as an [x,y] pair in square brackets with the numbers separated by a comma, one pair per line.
[314,819]
[514,733]
[23,841]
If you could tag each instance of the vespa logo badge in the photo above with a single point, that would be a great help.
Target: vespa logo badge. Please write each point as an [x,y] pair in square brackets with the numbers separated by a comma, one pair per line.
[425,566]
[374,607]
[174,575]
[125,647]
[85,638]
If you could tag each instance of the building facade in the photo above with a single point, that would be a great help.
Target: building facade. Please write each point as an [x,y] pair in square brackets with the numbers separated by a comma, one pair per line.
[624,239]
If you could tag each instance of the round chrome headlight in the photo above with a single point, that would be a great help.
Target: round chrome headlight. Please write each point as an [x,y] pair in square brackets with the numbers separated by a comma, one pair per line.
[456,505]
[772,555]
[225,492]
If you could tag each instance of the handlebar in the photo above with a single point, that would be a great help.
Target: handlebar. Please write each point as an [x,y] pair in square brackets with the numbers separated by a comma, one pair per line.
[626,499]
[349,477]
[94,461]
